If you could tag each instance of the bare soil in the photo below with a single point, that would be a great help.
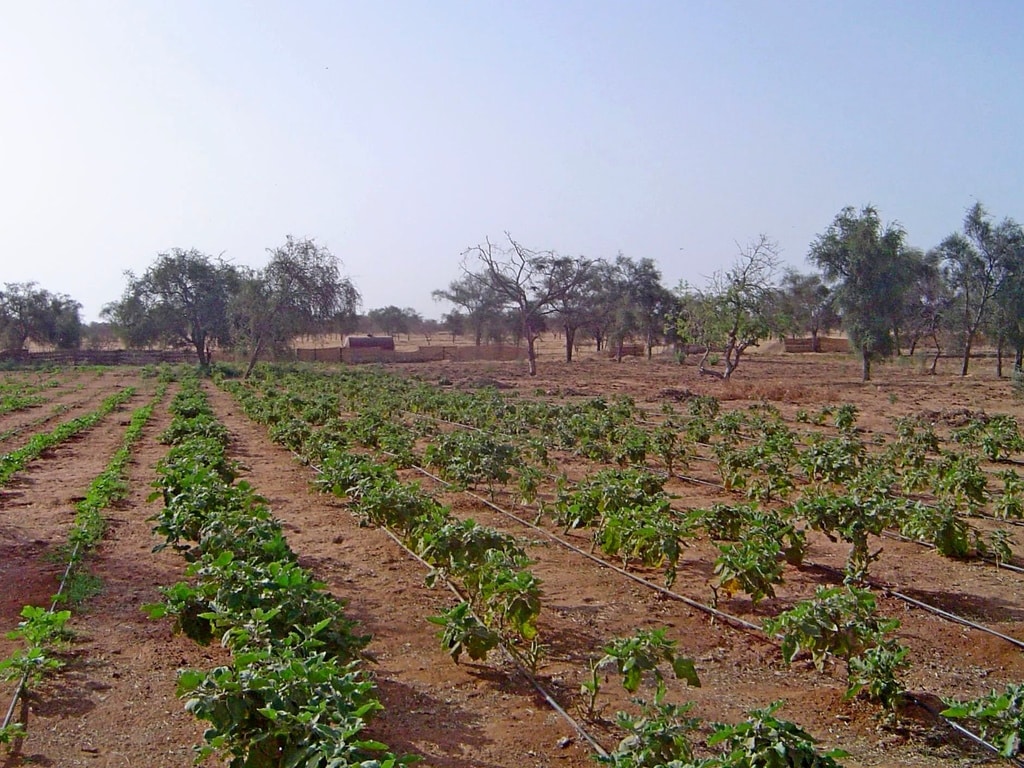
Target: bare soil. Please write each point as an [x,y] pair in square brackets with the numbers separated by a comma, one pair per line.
[115,705]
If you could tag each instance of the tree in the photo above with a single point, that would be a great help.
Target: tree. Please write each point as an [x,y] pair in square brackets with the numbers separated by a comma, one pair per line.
[394,320]
[574,309]
[1006,324]
[182,299]
[482,307]
[926,305]
[301,290]
[865,266]
[805,306]
[28,312]
[648,303]
[737,310]
[978,263]
[454,323]
[530,283]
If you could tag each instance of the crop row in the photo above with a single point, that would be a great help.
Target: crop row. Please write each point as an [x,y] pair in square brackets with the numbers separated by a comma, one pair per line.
[294,692]
[323,445]
[312,418]
[15,461]
[43,630]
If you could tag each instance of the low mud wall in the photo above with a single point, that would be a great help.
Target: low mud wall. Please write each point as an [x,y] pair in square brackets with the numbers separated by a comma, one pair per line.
[354,356]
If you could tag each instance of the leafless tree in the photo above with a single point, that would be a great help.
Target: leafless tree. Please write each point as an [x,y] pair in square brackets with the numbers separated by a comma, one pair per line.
[531,283]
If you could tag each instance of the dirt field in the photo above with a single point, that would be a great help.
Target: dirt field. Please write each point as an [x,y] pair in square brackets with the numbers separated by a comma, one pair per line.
[114,702]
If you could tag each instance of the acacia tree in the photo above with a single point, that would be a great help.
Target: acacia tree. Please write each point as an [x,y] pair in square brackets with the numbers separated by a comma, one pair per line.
[805,306]
[29,312]
[1006,324]
[926,305]
[530,283]
[866,266]
[648,303]
[576,309]
[301,290]
[978,263]
[182,299]
[482,307]
[737,310]
[394,320]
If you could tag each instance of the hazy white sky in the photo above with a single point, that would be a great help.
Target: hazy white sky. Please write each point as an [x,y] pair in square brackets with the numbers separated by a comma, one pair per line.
[400,133]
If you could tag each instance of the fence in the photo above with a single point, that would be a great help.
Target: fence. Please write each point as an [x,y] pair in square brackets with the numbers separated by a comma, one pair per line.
[825,344]
[99,357]
[355,355]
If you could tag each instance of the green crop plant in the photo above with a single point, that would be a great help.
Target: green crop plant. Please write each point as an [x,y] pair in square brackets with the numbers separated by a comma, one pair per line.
[658,737]
[470,458]
[874,672]
[1000,716]
[753,566]
[641,654]
[764,741]
[838,621]
[462,632]
[1010,503]
[958,480]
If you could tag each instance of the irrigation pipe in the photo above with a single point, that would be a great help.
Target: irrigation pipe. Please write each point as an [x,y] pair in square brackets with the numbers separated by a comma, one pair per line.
[520,667]
[698,606]
[971,735]
[747,625]
[20,688]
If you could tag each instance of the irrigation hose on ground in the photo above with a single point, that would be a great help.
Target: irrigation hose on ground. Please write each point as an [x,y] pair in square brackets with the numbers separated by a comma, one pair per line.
[748,625]
[698,606]
[20,688]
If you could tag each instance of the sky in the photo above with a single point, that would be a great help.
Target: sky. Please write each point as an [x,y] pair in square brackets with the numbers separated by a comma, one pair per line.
[400,134]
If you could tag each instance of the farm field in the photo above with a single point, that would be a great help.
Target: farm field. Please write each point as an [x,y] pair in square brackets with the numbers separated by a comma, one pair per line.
[483,441]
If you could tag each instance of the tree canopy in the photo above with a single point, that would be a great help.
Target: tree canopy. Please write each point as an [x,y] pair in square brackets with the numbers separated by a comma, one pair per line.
[530,283]
[865,264]
[28,312]
[182,299]
[300,290]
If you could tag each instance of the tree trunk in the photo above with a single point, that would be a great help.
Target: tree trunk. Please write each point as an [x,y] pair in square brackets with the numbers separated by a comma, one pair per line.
[707,371]
[815,341]
[865,363]
[253,358]
[1018,359]
[938,353]
[967,356]
[201,354]
[650,345]
[531,353]
[999,359]
[570,338]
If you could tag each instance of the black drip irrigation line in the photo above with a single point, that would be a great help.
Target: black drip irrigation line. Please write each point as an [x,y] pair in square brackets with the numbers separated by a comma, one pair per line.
[888,589]
[733,620]
[20,688]
[966,732]
[513,657]
[896,536]
[748,625]
[510,654]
